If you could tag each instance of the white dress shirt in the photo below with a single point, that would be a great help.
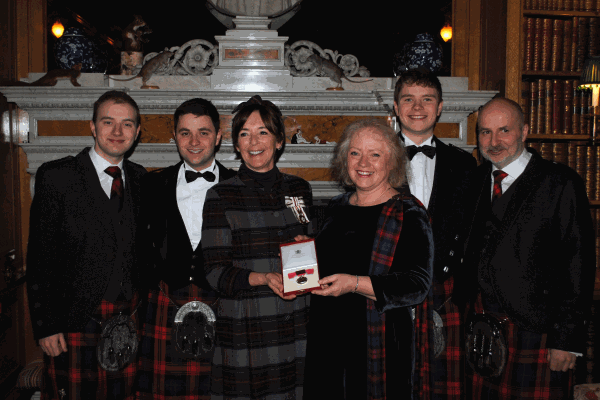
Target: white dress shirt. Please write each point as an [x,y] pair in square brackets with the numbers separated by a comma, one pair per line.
[514,171]
[421,172]
[190,200]
[100,164]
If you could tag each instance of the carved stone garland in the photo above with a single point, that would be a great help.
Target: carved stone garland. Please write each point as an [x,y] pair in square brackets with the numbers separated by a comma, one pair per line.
[200,57]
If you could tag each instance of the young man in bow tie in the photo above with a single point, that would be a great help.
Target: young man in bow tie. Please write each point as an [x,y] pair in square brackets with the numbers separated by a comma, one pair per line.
[82,265]
[173,362]
[437,178]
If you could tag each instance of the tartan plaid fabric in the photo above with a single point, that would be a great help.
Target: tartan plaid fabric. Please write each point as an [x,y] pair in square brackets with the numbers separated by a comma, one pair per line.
[162,373]
[448,367]
[527,373]
[76,374]
[387,235]
[261,339]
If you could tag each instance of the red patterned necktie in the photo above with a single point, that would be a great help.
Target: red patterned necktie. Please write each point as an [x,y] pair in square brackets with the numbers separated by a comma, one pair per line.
[116,190]
[498,176]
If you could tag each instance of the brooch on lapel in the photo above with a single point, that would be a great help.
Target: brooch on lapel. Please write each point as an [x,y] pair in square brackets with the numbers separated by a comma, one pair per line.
[297,205]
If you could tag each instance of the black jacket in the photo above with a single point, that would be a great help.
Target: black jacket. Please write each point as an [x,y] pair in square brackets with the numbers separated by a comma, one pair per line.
[168,254]
[73,243]
[447,206]
[541,259]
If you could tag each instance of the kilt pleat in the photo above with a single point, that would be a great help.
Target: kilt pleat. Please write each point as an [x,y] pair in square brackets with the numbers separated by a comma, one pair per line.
[162,373]
[527,374]
[448,367]
[76,374]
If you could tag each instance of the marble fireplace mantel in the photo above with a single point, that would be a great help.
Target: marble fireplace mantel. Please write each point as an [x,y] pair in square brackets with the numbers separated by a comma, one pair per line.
[373,99]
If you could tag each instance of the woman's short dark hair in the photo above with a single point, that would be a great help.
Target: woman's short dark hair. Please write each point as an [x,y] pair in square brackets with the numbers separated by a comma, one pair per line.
[398,160]
[197,107]
[270,116]
[117,97]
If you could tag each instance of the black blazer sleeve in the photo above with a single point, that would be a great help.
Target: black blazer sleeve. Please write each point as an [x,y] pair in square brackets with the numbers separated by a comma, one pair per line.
[45,252]
[573,274]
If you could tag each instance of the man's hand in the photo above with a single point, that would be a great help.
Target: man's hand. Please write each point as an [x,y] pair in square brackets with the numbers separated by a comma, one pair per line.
[54,345]
[561,360]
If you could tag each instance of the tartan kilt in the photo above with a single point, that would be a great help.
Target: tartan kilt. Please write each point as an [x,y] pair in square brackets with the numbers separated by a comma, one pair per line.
[162,373]
[77,373]
[448,367]
[527,373]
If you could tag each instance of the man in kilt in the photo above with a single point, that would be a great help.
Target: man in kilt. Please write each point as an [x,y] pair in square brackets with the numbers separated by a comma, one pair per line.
[438,177]
[82,265]
[529,266]
[172,221]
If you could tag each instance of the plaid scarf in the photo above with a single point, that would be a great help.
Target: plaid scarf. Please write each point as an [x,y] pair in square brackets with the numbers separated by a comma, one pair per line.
[389,227]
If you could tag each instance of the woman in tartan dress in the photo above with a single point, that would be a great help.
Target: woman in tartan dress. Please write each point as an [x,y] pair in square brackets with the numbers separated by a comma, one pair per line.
[375,254]
[260,334]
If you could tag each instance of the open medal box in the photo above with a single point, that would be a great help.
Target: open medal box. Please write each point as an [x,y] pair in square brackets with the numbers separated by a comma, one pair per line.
[299,266]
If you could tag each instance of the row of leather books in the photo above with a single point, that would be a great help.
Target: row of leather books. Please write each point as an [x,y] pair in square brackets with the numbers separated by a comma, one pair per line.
[562,5]
[559,45]
[557,107]
[584,159]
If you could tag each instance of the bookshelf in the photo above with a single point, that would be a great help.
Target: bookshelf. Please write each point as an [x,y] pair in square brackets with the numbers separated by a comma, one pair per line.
[547,44]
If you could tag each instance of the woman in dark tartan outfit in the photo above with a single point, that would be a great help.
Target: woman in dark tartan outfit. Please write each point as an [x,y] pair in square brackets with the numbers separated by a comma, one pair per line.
[376,253]
[260,335]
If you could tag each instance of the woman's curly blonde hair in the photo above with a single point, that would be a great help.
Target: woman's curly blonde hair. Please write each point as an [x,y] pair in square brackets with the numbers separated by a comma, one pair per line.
[339,162]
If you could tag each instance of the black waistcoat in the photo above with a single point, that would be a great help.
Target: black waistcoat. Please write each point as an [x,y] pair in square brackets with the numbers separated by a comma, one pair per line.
[121,286]
[492,225]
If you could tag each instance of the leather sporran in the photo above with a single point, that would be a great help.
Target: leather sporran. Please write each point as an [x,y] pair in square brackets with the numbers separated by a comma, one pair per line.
[195,331]
[439,335]
[118,343]
[486,347]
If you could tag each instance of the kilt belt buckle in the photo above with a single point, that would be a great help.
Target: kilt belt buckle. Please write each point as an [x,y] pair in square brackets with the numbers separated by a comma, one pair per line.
[118,344]
[195,330]
[486,347]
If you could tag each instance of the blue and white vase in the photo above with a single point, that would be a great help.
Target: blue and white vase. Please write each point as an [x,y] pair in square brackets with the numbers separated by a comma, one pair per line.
[73,48]
[424,53]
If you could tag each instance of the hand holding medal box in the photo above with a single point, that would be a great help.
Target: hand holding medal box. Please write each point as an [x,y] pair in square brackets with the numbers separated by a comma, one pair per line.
[299,266]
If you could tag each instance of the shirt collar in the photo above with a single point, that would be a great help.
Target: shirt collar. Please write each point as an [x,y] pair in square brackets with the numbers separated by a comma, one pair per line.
[100,164]
[516,168]
[427,142]
[211,167]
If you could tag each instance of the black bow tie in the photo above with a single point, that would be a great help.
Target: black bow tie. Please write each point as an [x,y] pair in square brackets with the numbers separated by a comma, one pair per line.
[427,150]
[191,176]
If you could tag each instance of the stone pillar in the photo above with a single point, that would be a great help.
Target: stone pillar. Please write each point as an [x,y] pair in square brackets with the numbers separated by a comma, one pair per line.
[251,58]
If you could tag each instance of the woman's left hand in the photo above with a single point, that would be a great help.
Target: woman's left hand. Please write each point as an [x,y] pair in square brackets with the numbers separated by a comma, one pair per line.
[336,285]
